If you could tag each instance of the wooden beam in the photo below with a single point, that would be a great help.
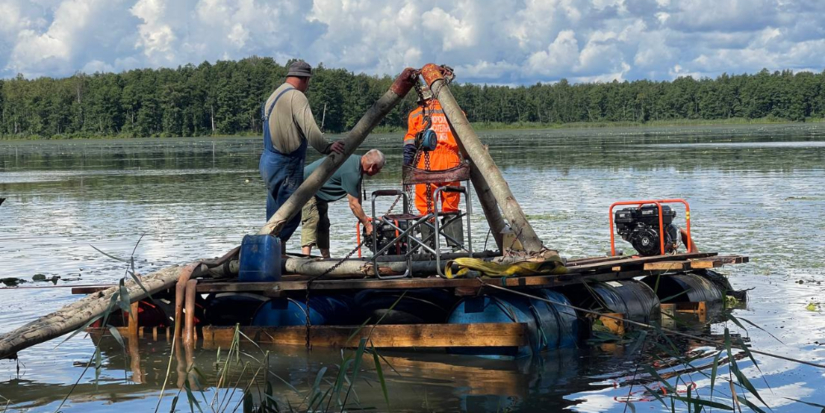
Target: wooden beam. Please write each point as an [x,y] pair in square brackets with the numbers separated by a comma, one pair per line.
[614,322]
[381,336]
[667,266]
[714,262]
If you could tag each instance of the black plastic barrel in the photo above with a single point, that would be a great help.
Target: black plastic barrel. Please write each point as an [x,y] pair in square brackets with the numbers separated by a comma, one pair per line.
[685,288]
[634,299]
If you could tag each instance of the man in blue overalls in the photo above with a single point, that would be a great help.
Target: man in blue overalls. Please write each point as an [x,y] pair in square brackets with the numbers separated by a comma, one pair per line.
[288,128]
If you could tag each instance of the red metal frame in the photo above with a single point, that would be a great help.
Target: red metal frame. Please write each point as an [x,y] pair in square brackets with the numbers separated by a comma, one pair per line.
[658,203]
[358,237]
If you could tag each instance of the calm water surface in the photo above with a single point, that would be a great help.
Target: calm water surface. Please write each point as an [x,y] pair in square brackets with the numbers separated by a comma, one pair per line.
[756,191]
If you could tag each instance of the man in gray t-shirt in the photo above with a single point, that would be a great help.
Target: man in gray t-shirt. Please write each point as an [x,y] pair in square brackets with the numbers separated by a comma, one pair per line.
[288,129]
[346,182]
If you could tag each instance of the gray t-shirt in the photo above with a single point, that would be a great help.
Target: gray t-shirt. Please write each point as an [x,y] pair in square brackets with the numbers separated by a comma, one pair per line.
[345,181]
[291,121]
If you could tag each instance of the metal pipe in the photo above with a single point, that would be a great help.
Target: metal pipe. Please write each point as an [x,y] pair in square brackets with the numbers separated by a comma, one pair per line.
[331,163]
[481,159]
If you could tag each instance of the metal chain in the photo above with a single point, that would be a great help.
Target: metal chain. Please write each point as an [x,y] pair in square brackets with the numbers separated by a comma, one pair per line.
[311,280]
[333,268]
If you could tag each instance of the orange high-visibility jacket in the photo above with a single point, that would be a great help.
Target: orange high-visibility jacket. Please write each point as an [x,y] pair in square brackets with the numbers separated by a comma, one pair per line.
[445,155]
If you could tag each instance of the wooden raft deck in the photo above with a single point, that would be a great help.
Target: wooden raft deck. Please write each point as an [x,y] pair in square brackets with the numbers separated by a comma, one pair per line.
[586,270]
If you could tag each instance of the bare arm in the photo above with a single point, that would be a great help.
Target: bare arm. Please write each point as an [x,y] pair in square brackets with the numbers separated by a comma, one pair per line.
[306,122]
[358,211]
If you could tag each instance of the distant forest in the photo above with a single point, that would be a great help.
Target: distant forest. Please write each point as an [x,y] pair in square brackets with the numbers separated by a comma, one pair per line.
[225,99]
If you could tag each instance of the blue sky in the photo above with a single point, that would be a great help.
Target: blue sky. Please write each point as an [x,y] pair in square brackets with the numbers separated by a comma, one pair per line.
[501,42]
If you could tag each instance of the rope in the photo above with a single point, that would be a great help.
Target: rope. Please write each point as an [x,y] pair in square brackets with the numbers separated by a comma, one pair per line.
[643,325]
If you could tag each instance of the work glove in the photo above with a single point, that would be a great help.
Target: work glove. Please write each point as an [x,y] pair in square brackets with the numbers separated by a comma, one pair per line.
[409,154]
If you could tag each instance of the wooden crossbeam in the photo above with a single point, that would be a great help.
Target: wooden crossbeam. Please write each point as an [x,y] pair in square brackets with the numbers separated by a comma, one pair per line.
[694,263]
[667,266]
[714,262]
[381,336]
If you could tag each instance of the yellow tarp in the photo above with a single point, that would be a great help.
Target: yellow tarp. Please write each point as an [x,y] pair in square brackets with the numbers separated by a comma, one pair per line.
[494,269]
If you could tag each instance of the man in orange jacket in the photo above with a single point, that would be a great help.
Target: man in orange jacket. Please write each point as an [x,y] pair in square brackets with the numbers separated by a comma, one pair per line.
[445,155]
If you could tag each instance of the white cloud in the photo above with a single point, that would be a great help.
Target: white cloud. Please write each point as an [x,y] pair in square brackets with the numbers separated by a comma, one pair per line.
[560,57]
[502,42]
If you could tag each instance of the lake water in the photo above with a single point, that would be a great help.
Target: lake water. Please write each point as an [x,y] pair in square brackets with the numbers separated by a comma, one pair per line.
[754,190]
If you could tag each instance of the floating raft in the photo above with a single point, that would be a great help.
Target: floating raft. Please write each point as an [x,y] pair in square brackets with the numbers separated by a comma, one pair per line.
[467,332]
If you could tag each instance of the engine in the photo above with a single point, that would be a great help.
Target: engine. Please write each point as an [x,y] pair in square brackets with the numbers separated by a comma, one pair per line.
[385,234]
[640,227]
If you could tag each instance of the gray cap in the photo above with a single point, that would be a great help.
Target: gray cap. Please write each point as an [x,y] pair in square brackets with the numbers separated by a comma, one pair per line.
[300,69]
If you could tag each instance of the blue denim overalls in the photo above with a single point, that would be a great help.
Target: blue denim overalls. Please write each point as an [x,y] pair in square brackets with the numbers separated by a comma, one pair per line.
[282,173]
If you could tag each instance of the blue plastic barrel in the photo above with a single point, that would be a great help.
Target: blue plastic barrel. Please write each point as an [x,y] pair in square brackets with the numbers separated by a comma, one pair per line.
[549,326]
[260,258]
[289,312]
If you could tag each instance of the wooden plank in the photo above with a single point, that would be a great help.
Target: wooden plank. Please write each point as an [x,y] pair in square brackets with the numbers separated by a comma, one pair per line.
[714,262]
[90,289]
[382,336]
[631,263]
[667,266]
[614,322]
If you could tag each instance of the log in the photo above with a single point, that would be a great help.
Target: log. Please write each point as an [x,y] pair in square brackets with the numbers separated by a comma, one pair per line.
[75,315]
[485,198]
[331,163]
[355,268]
[511,209]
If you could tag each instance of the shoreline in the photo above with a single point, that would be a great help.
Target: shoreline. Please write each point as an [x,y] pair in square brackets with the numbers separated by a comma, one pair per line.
[478,126]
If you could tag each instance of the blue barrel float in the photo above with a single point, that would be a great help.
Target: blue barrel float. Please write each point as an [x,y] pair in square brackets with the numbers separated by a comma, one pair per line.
[550,326]
[323,309]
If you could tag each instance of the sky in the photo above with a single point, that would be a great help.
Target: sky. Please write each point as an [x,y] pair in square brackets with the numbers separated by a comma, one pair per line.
[495,42]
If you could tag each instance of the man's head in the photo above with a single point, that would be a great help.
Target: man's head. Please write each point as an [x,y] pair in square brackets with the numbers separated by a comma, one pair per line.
[372,162]
[299,74]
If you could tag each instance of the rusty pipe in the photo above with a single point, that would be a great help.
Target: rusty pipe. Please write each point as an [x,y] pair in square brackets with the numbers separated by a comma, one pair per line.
[191,292]
[180,292]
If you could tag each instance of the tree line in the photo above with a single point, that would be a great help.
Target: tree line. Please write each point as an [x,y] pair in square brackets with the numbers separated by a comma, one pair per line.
[225,99]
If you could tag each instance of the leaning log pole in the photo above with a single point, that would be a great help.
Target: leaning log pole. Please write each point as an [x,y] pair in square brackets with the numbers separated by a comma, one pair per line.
[486,199]
[510,208]
[77,314]
[402,85]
